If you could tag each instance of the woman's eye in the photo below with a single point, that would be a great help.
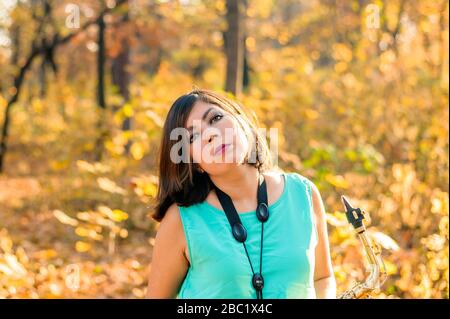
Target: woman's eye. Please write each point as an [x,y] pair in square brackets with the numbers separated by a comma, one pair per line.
[215,118]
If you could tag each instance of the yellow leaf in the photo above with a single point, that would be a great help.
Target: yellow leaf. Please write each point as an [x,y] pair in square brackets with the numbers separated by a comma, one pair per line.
[82,246]
[139,293]
[155,118]
[137,150]
[391,268]
[150,189]
[95,236]
[96,218]
[6,270]
[81,231]
[6,243]
[384,240]
[114,148]
[15,265]
[250,43]
[105,210]
[90,233]
[123,233]
[37,105]
[45,254]
[59,165]
[127,110]
[340,67]
[337,181]
[336,221]
[92,168]
[311,114]
[109,186]
[119,215]
[86,216]
[55,289]
[116,215]
[342,52]
[63,218]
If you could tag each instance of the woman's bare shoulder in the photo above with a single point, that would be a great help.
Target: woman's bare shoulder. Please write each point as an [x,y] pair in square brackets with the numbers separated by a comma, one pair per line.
[171,218]
[168,266]
[274,177]
[171,227]
[275,184]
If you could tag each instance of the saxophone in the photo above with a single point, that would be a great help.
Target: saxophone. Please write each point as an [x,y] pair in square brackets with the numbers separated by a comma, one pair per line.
[377,270]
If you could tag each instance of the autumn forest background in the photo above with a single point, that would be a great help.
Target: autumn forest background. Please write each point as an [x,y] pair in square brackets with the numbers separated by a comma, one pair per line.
[357,89]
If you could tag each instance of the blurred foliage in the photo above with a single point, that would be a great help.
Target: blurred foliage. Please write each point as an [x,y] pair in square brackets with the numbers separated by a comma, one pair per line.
[361,107]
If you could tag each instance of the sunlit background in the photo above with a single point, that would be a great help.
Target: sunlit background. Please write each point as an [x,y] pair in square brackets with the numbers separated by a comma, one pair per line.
[358,91]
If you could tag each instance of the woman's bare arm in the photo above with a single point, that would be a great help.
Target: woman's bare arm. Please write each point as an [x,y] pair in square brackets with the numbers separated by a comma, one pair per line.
[324,281]
[169,264]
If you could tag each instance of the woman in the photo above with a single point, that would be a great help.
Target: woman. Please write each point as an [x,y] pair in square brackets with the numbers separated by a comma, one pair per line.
[195,254]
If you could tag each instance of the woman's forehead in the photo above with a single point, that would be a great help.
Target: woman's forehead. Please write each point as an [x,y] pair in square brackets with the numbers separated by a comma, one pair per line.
[198,111]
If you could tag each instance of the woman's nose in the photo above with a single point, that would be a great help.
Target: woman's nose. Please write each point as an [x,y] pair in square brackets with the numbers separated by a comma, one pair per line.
[210,135]
[210,139]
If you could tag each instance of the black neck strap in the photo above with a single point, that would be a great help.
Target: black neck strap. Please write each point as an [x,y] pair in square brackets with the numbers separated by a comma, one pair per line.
[230,210]
[238,230]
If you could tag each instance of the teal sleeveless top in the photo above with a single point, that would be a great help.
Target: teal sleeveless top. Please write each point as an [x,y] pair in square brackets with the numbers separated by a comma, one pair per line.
[219,265]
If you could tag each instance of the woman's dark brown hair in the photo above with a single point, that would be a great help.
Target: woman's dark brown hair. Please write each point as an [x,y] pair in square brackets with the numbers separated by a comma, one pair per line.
[182,183]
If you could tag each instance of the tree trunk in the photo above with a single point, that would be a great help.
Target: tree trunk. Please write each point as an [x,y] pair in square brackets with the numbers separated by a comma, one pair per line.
[234,48]
[18,81]
[101,88]
[246,70]
[121,76]
[42,79]
[101,64]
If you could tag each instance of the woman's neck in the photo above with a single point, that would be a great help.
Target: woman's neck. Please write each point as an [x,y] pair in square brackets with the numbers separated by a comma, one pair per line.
[240,184]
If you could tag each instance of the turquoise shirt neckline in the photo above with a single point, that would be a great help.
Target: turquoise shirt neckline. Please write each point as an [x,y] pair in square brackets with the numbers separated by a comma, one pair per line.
[248,213]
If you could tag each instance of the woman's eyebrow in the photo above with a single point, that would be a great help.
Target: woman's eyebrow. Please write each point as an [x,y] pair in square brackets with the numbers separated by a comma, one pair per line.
[203,118]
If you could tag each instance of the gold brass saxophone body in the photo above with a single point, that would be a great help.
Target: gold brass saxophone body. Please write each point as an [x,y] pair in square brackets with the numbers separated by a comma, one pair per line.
[377,270]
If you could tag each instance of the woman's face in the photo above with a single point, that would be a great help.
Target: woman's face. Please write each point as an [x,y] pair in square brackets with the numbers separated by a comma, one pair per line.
[216,139]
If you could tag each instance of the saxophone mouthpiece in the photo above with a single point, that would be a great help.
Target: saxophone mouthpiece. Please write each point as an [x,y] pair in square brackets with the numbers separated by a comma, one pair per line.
[354,215]
[346,203]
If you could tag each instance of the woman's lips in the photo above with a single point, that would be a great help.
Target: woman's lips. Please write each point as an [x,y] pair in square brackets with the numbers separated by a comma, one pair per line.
[221,148]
